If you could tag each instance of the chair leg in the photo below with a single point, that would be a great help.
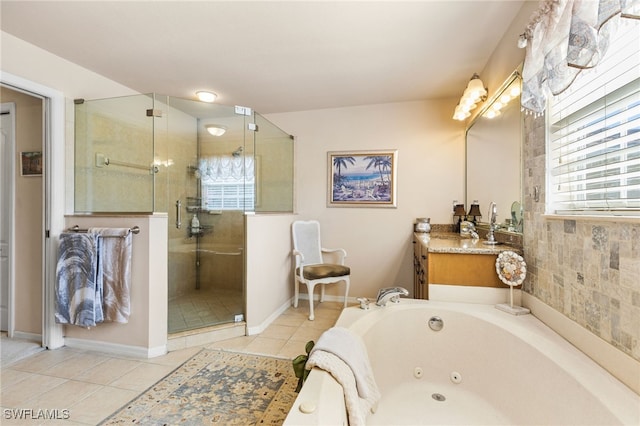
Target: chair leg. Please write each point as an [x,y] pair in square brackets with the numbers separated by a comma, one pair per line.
[296,292]
[322,287]
[347,282]
[310,291]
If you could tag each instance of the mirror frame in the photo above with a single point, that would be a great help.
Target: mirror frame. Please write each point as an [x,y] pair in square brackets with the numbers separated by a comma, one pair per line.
[515,75]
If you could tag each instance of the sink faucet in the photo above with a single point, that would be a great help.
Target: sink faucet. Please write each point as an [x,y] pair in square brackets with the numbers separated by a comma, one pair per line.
[390,294]
[493,213]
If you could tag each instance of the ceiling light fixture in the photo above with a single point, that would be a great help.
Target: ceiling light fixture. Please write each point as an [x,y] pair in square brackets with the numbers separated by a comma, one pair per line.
[215,129]
[205,96]
[472,95]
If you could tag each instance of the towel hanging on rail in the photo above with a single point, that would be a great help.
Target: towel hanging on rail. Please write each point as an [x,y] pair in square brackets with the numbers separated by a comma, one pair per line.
[78,292]
[114,270]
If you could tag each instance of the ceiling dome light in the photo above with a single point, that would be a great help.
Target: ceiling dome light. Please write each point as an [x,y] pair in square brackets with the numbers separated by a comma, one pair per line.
[215,129]
[205,96]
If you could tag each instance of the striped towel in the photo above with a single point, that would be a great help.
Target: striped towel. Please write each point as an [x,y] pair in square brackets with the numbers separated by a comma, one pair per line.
[78,289]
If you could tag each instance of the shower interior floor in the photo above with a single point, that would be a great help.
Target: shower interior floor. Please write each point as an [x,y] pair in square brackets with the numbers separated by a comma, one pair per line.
[204,308]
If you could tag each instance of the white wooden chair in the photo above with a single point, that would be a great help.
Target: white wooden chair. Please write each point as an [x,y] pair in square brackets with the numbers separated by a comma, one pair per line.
[311,267]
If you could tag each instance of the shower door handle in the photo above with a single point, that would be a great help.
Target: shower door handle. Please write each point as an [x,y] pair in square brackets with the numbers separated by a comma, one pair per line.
[178,214]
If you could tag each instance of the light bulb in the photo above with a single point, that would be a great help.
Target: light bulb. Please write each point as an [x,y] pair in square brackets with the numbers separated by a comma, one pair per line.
[205,96]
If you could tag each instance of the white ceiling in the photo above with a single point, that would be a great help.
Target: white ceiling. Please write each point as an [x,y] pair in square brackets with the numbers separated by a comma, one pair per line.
[273,56]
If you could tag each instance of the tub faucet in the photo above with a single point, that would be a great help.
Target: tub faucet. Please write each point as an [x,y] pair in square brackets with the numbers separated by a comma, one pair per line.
[390,294]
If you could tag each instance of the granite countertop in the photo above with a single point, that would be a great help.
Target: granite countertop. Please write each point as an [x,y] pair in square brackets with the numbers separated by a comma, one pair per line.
[448,242]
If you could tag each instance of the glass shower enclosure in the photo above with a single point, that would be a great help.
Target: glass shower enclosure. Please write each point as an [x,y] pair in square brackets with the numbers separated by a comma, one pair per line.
[205,165]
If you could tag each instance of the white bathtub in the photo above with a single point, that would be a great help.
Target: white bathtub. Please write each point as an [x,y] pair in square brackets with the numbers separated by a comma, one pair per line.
[492,368]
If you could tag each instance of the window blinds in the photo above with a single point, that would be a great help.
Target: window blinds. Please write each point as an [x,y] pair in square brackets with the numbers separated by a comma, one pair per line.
[594,134]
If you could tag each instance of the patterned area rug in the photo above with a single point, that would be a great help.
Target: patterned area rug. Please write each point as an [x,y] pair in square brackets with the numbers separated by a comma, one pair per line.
[219,388]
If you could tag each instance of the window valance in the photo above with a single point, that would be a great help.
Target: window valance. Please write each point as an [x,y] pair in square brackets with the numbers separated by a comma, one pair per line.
[563,38]
[227,169]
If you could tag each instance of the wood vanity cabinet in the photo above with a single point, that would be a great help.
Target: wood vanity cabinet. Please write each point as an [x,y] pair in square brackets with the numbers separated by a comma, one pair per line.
[420,267]
[473,267]
[464,269]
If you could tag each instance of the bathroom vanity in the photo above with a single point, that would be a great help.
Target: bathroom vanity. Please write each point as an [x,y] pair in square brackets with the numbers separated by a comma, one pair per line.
[447,259]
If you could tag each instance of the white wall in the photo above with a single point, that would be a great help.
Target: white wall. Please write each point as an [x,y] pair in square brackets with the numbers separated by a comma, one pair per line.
[269,274]
[430,176]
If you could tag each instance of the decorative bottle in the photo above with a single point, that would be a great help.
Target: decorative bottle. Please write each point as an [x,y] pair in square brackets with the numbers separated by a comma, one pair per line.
[195,225]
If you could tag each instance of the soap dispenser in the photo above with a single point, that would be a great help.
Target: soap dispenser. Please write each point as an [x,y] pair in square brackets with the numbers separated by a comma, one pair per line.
[195,225]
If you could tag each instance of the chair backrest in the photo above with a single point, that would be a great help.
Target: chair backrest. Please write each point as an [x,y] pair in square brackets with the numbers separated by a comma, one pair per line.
[306,239]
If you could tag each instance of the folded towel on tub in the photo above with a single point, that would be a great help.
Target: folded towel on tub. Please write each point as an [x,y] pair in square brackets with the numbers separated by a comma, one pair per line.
[78,295]
[343,354]
[114,268]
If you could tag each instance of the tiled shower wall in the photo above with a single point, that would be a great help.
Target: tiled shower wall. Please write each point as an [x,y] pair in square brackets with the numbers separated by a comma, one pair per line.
[589,270]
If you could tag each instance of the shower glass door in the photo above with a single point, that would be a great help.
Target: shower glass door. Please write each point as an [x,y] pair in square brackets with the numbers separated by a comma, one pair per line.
[206,166]
[204,190]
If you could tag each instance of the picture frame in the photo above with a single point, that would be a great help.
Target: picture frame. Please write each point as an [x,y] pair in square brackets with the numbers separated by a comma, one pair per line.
[362,178]
[31,163]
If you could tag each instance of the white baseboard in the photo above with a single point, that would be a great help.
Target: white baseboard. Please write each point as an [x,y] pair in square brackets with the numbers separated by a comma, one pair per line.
[115,348]
[271,318]
[329,298]
[620,365]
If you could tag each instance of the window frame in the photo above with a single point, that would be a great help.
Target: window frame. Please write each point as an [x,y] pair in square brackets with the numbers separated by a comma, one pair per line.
[552,199]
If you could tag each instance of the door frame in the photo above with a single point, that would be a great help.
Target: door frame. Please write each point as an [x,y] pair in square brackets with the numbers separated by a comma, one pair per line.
[53,194]
[10,185]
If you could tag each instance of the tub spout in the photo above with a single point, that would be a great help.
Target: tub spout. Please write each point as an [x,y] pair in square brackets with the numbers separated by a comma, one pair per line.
[390,294]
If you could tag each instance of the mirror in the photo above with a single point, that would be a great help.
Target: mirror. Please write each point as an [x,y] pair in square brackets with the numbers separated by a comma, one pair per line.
[494,156]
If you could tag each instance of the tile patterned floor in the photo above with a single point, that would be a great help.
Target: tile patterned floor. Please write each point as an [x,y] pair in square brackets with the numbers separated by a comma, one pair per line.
[83,387]
[202,308]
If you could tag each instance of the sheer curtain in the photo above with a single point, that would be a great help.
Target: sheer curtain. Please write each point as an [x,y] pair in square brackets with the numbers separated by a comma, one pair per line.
[563,38]
[227,169]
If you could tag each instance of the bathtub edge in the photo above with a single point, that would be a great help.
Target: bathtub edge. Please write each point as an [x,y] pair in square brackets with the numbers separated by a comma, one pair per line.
[620,365]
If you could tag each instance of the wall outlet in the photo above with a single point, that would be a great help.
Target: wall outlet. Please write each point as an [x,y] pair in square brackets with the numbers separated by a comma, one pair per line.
[239,318]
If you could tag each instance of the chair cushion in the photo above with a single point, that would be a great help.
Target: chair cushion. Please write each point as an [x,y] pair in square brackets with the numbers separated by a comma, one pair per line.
[324,270]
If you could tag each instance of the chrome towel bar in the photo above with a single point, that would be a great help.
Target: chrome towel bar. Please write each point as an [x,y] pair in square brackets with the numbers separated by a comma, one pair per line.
[134,230]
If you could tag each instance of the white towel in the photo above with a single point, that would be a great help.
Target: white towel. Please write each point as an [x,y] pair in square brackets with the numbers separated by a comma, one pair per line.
[342,353]
[114,269]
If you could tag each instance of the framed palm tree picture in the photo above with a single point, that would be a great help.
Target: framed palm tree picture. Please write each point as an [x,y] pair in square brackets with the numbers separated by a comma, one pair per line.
[362,178]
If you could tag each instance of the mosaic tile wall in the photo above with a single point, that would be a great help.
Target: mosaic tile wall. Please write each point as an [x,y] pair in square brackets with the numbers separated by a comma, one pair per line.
[589,270]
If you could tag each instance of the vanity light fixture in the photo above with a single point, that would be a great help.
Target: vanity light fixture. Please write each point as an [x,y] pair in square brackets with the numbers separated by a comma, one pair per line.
[215,129]
[507,95]
[472,95]
[205,96]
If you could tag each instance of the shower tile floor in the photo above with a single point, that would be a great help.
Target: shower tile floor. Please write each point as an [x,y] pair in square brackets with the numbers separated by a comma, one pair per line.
[203,308]
[92,385]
